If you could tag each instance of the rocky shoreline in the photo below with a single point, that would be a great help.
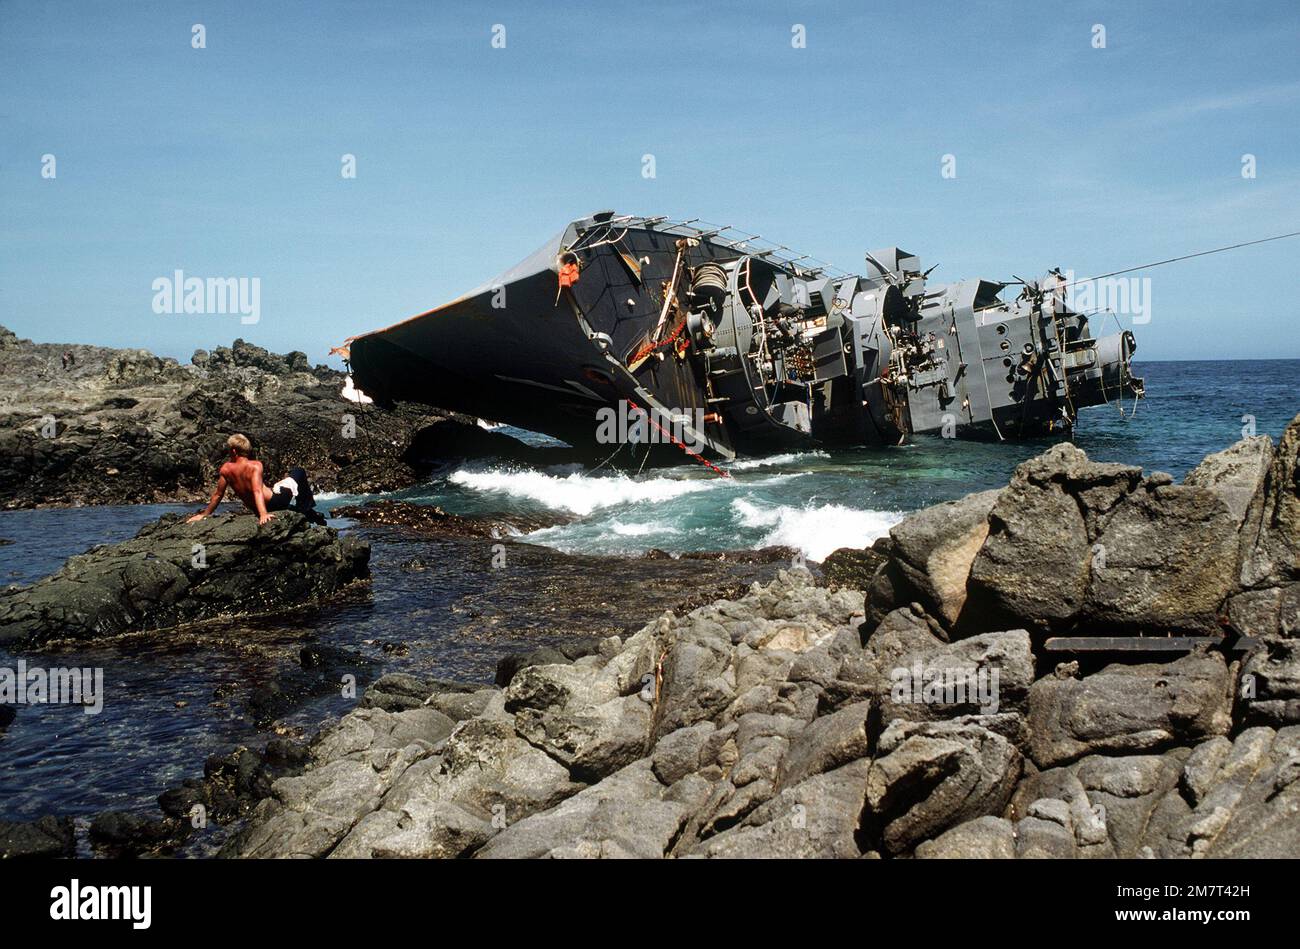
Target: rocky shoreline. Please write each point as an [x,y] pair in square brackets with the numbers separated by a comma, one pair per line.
[123,426]
[784,724]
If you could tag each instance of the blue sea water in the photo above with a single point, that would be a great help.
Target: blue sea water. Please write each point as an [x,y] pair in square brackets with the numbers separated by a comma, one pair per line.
[161,718]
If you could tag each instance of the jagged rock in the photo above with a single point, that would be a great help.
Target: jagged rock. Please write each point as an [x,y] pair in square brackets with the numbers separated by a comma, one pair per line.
[1035,562]
[819,817]
[354,766]
[1237,798]
[766,724]
[625,815]
[511,663]
[1169,557]
[1267,613]
[1238,475]
[125,426]
[1268,691]
[929,776]
[452,804]
[172,572]
[1271,535]
[678,753]
[396,692]
[827,743]
[1129,708]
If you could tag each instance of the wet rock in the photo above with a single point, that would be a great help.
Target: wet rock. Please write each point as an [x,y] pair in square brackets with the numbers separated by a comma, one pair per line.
[45,837]
[1129,708]
[125,834]
[852,568]
[173,572]
[320,671]
[396,692]
[233,783]
[431,519]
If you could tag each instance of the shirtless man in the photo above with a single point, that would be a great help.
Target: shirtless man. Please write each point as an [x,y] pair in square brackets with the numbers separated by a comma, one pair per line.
[243,475]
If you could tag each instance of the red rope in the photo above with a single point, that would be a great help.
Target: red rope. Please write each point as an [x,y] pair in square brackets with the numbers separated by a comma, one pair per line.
[698,457]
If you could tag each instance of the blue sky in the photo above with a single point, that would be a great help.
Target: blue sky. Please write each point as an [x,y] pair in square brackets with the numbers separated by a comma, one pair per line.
[225,161]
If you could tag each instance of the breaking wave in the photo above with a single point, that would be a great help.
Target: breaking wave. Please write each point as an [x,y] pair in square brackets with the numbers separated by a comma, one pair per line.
[816,530]
[793,458]
[576,493]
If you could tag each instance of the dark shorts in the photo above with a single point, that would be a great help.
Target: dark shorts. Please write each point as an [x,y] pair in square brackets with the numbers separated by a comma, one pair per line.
[284,500]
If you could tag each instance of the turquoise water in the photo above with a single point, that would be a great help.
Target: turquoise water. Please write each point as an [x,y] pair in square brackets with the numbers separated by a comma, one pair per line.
[165,711]
[819,501]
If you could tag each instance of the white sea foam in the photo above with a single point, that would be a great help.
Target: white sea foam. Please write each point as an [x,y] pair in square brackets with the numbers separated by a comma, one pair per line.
[816,530]
[577,493]
[640,530]
[767,462]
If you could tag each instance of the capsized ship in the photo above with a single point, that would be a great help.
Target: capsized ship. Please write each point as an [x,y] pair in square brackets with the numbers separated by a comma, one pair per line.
[740,347]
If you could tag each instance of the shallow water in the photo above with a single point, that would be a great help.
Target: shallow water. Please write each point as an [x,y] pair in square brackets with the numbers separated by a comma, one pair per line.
[458,615]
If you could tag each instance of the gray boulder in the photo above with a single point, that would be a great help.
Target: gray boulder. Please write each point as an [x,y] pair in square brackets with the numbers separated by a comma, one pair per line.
[1268,686]
[931,557]
[1129,708]
[929,776]
[625,815]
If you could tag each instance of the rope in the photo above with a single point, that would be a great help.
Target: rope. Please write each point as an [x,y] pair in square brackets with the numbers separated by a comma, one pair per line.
[682,445]
[1172,260]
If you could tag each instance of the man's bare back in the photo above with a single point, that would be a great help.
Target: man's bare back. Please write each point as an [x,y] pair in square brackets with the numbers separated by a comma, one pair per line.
[243,475]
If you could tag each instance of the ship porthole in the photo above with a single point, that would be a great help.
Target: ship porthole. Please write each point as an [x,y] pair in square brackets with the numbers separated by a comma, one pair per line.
[595,375]
[1002,329]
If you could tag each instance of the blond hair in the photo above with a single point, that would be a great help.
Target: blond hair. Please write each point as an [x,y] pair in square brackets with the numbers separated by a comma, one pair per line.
[240,445]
